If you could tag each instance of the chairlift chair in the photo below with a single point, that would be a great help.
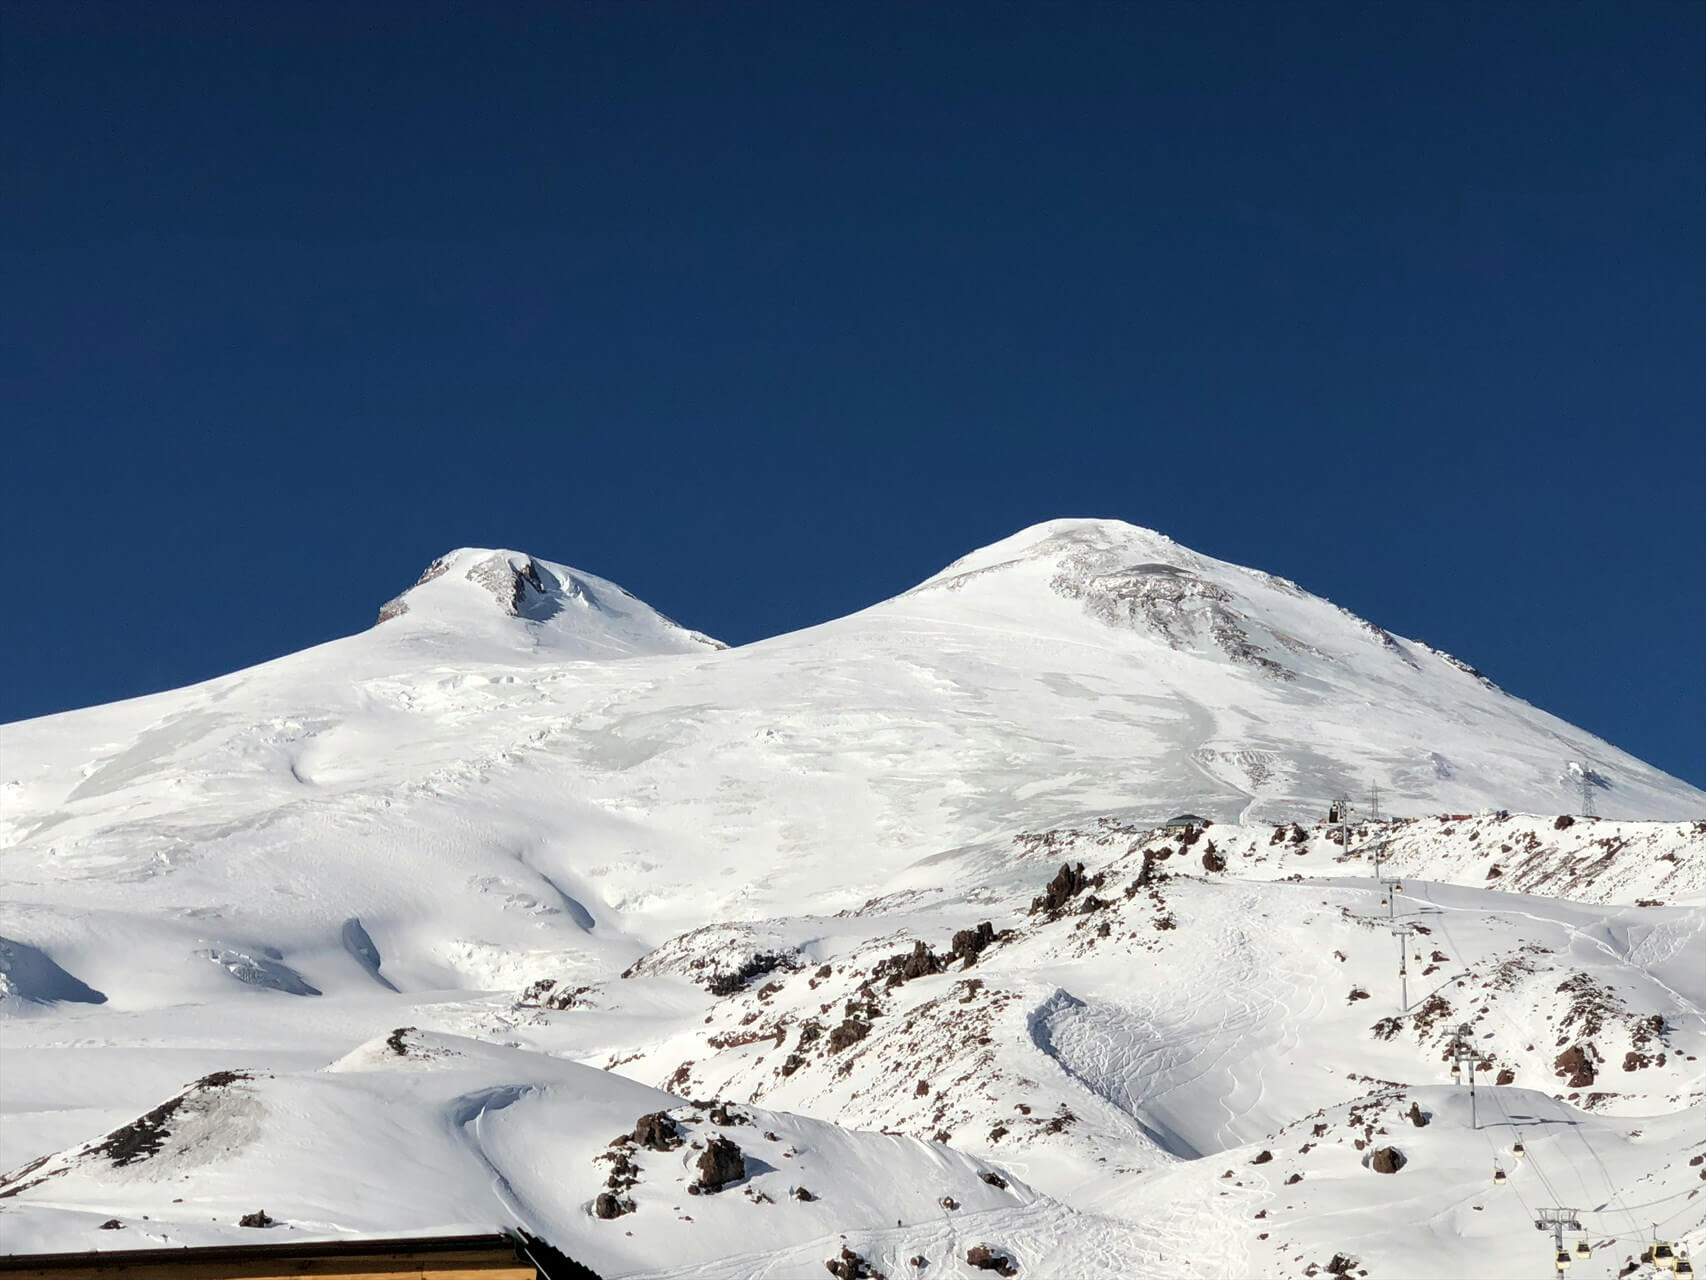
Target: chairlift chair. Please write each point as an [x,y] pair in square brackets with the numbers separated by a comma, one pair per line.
[1683,1266]
[1583,1248]
[1562,1261]
[1518,1150]
[1499,1178]
[1664,1257]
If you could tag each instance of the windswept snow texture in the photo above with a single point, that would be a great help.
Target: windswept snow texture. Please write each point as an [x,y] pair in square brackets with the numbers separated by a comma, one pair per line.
[552,863]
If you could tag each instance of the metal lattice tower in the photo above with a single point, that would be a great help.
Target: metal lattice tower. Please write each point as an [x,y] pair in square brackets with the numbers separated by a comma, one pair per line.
[1585,786]
[1557,1220]
[1374,802]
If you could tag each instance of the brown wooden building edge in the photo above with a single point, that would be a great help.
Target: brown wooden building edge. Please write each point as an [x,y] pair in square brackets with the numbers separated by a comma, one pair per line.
[482,1257]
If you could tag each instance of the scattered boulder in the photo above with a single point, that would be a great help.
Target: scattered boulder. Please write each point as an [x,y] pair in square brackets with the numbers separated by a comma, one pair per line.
[259,1218]
[1505,1076]
[801,1194]
[1341,1265]
[850,1266]
[1212,860]
[657,1132]
[995,1180]
[1416,1116]
[849,1032]
[984,1258]
[112,1224]
[720,1164]
[1386,1160]
[609,1205]
[1262,1157]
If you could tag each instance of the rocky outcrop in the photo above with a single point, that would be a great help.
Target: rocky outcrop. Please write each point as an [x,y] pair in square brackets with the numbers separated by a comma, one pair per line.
[720,1163]
[657,1132]
[1067,884]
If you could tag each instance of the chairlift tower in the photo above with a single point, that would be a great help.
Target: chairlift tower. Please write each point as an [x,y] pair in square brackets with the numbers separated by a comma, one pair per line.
[1463,1051]
[1402,932]
[1374,802]
[1586,788]
[1558,1220]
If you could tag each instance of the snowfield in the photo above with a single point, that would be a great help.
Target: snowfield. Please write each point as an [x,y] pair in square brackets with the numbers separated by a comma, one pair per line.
[529,906]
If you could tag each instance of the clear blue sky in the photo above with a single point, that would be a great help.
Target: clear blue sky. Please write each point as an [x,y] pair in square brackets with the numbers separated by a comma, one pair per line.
[767,311]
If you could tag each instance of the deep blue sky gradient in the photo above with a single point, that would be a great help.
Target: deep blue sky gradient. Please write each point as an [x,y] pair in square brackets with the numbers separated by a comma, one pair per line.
[768,311]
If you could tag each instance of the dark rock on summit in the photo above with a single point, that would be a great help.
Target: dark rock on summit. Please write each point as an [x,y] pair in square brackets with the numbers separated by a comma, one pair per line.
[259,1218]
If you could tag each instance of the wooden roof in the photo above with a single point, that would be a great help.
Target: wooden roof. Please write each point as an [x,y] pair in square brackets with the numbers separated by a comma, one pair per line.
[478,1257]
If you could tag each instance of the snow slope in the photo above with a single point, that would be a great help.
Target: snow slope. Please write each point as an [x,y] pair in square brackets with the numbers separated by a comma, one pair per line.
[523,783]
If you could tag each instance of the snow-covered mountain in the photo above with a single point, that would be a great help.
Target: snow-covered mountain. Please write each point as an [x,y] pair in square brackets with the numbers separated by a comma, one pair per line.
[549,830]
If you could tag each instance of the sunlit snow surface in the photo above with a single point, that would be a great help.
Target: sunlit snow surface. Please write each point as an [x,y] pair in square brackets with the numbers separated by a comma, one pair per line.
[524,773]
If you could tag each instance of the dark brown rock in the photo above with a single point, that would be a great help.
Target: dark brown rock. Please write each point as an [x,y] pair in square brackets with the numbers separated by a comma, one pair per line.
[849,1032]
[968,944]
[1576,1062]
[657,1132]
[850,1266]
[720,1164]
[609,1205]
[1067,884]
[259,1218]
[984,1258]
[1386,1160]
